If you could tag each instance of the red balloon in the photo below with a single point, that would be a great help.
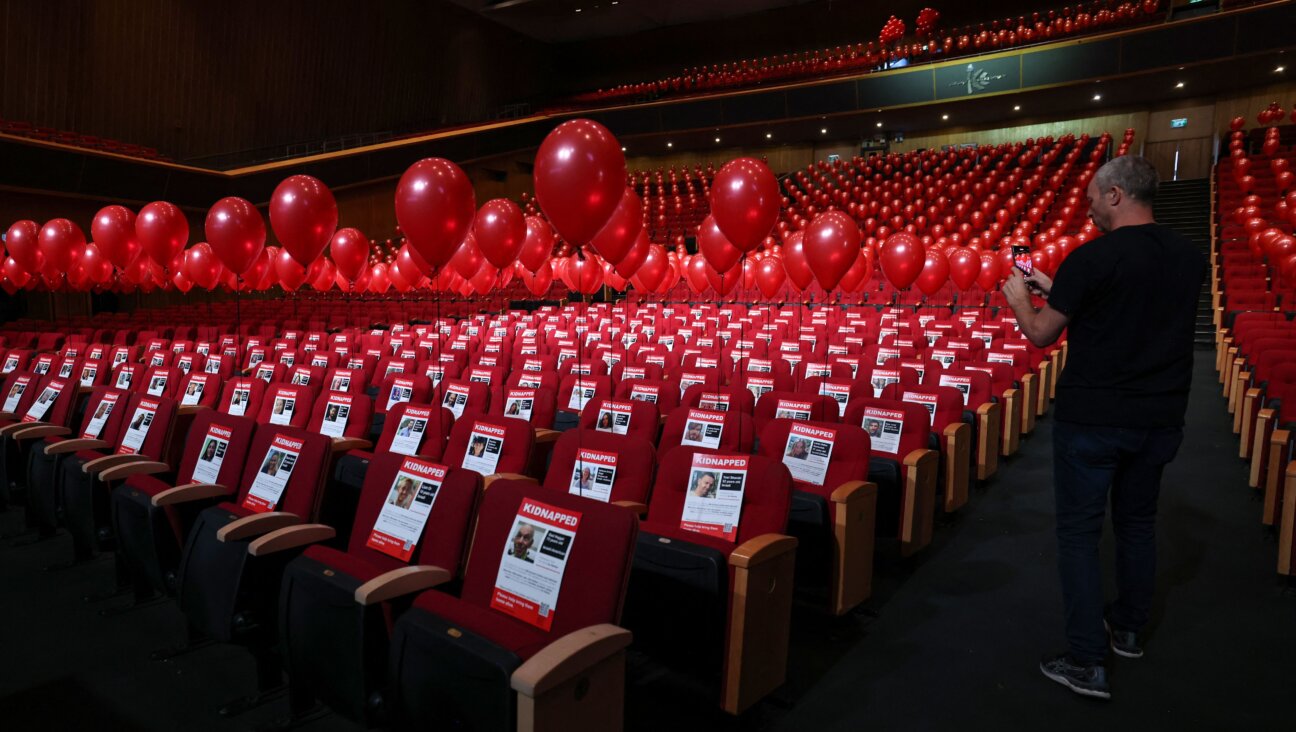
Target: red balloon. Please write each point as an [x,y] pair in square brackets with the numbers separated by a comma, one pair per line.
[538,282]
[236,234]
[15,272]
[500,230]
[794,261]
[770,275]
[322,274]
[722,283]
[935,272]
[586,274]
[163,230]
[964,266]
[538,245]
[257,273]
[859,272]
[289,271]
[62,242]
[483,280]
[580,175]
[201,266]
[23,242]
[634,259]
[435,207]
[113,230]
[181,282]
[304,215]
[713,245]
[655,268]
[468,259]
[410,263]
[696,272]
[95,265]
[350,250]
[745,202]
[902,259]
[618,235]
[832,244]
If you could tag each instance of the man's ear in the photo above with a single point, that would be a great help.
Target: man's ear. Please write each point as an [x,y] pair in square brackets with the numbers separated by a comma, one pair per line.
[1115,195]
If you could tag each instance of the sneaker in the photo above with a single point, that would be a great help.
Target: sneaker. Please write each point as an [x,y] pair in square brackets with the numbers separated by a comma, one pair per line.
[1088,680]
[1123,642]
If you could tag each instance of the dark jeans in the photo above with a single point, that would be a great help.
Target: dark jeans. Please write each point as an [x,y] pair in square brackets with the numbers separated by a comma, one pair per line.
[1087,461]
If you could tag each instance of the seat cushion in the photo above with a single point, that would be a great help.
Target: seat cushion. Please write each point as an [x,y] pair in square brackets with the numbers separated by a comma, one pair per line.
[514,635]
[343,562]
[673,531]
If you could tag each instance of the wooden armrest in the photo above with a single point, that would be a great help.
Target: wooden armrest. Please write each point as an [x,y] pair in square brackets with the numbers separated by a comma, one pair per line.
[544,436]
[565,658]
[343,444]
[637,507]
[851,491]
[920,458]
[76,445]
[111,461]
[761,549]
[143,467]
[403,581]
[255,525]
[986,409]
[1279,438]
[486,482]
[34,431]
[189,492]
[15,426]
[8,415]
[290,537]
[190,408]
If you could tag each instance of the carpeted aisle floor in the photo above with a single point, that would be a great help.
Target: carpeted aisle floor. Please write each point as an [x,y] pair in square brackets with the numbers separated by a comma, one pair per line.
[950,641]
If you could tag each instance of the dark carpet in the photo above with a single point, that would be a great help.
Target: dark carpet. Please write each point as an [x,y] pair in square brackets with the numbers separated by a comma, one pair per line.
[950,641]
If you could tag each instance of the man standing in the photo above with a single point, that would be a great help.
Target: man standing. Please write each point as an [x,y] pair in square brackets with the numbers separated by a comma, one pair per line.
[1128,301]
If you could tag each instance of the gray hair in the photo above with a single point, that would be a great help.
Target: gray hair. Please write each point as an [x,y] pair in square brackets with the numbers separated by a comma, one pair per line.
[1132,174]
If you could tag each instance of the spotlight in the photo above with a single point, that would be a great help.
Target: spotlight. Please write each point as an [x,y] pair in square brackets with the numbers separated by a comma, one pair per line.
[769,135]
[823,131]
[1016,107]
[670,144]
[944,116]
[1179,85]
[1279,69]
[717,139]
[879,124]
[1097,97]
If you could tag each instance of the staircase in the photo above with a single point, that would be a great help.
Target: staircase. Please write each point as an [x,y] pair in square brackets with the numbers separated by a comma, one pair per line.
[1184,205]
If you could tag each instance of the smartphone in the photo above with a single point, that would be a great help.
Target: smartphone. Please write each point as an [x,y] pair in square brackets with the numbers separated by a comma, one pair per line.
[1022,260]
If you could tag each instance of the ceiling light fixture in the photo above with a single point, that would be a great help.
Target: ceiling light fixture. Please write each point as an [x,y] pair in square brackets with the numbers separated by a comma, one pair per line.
[1097,97]
[823,131]
[944,116]
[1280,69]
[670,144]
[1016,107]
[623,148]
[769,135]
[1179,85]
[879,124]
[717,139]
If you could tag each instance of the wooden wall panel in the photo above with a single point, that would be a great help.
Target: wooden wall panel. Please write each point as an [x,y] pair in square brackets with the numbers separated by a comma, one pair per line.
[1113,123]
[198,78]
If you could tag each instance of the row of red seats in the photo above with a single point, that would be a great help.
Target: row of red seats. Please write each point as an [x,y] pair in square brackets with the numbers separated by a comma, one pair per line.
[19,128]
[1068,22]
[256,508]
[1256,338]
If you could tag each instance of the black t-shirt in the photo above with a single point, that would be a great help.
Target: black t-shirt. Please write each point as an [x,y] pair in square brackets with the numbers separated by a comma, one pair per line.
[1131,296]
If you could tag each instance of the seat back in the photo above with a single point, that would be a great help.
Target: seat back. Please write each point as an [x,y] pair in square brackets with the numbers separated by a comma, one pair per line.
[53,403]
[767,493]
[344,380]
[602,466]
[462,397]
[199,389]
[944,404]
[976,387]
[720,398]
[399,388]
[242,396]
[801,447]
[731,431]
[577,390]
[379,533]
[286,404]
[791,405]
[535,406]
[103,416]
[341,414]
[895,428]
[490,445]
[623,417]
[162,381]
[655,391]
[148,426]
[19,392]
[841,389]
[284,471]
[216,449]
[598,560]
[416,429]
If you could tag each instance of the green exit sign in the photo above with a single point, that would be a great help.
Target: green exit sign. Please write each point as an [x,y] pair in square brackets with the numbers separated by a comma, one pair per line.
[1178,122]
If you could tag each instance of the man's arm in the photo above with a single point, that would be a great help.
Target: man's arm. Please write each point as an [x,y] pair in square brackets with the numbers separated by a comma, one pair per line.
[1041,327]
